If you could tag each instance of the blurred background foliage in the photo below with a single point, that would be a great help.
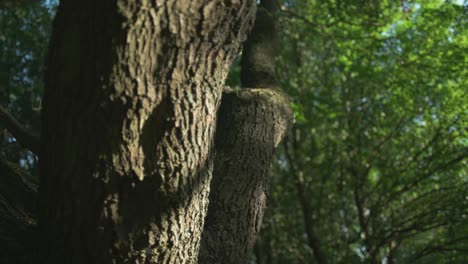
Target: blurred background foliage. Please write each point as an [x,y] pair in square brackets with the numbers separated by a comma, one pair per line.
[375,169]
[24,34]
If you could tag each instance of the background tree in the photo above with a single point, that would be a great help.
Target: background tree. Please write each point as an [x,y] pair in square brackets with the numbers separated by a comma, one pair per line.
[375,169]
[24,33]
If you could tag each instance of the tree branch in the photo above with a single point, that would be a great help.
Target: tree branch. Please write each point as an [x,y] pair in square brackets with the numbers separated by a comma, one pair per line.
[18,196]
[21,134]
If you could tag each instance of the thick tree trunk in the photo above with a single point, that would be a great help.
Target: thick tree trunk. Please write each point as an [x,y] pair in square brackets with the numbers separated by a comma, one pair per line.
[132,89]
[251,123]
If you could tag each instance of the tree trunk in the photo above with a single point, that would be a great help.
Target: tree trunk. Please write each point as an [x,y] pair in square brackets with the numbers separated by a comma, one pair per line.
[310,224]
[132,88]
[251,123]
[244,152]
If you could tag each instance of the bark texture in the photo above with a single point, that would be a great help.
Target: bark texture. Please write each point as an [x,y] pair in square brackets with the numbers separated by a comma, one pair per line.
[132,89]
[251,123]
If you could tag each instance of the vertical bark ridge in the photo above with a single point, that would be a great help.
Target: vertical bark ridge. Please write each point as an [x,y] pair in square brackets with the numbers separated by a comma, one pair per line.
[129,116]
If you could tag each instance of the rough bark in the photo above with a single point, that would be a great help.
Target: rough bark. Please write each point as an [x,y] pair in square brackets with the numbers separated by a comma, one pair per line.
[251,123]
[132,88]
[244,152]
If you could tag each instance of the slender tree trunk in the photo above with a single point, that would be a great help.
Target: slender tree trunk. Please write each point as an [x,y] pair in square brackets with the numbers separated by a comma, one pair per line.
[132,88]
[251,123]
[313,239]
